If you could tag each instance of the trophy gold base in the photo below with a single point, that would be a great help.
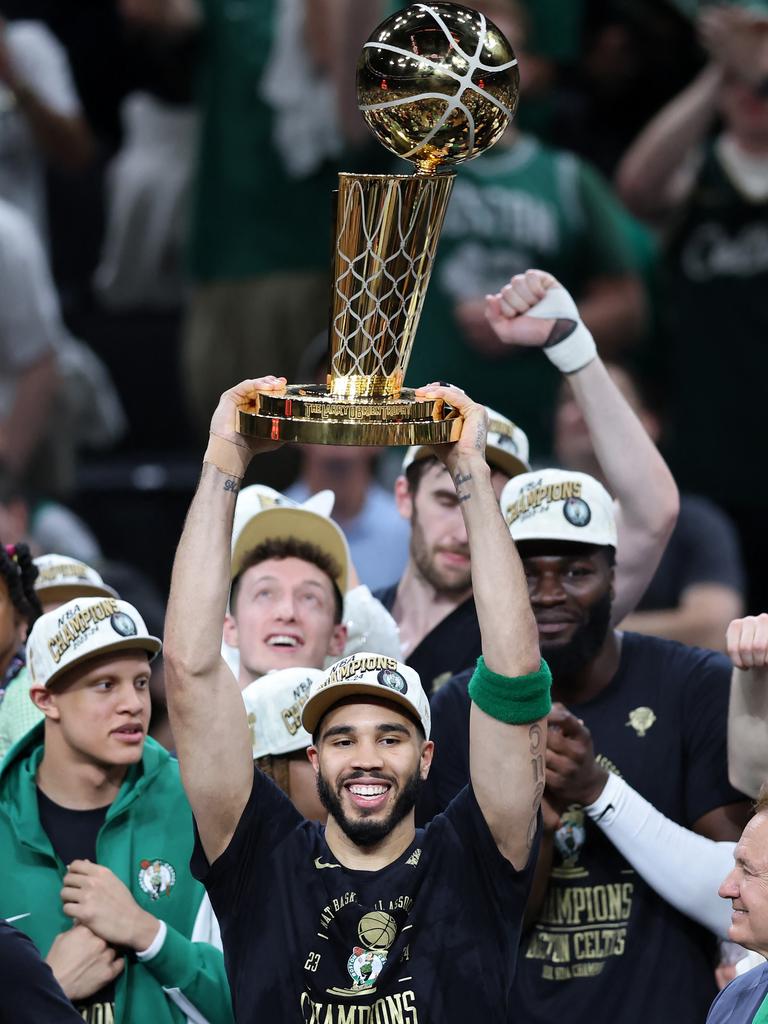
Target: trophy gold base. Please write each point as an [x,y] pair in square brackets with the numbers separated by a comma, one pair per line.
[311,415]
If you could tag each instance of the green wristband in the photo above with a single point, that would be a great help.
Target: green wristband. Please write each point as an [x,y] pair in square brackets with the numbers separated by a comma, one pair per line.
[516,700]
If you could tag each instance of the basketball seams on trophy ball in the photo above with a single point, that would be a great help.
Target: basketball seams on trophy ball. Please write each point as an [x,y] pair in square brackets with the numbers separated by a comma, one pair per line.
[437,84]
[425,89]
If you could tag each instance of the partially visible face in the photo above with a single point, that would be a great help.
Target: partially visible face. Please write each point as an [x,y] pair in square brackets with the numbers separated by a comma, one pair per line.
[570,590]
[745,112]
[284,617]
[11,627]
[102,708]
[439,545]
[370,760]
[747,887]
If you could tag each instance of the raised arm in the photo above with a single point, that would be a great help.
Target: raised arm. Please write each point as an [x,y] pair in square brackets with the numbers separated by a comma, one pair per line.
[747,642]
[204,702]
[535,310]
[506,760]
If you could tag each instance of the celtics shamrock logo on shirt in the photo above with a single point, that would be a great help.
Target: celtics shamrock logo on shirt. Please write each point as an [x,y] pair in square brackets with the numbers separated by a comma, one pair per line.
[156,878]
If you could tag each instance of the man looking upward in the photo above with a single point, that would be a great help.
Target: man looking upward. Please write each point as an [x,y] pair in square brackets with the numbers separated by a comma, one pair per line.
[368,916]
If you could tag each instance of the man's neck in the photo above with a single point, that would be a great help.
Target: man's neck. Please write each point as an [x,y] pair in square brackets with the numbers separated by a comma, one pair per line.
[589,681]
[369,858]
[419,607]
[72,781]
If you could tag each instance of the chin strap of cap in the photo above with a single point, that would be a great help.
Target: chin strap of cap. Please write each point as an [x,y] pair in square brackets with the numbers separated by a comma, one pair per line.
[570,345]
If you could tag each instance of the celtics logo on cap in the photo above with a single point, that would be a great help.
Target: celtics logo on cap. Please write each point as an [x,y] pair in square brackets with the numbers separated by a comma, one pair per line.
[577,512]
[123,624]
[393,679]
[156,878]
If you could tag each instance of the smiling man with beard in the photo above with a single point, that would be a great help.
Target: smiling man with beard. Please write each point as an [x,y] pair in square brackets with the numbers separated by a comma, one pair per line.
[649,711]
[368,919]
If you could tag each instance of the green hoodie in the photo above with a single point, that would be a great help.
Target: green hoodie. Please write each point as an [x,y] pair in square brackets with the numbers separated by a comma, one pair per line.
[150,821]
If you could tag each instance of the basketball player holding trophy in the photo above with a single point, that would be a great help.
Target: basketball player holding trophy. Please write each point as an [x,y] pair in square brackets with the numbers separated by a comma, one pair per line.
[368,920]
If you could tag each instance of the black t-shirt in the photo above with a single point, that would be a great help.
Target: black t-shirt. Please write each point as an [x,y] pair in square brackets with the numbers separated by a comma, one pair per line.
[73,836]
[703,548]
[430,939]
[453,645]
[29,993]
[606,948]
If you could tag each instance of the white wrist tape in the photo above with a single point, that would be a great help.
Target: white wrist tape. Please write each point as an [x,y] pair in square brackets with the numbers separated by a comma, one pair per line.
[684,868]
[578,348]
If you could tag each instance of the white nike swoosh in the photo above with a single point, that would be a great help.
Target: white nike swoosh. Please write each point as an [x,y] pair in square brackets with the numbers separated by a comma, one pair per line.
[19,917]
[319,863]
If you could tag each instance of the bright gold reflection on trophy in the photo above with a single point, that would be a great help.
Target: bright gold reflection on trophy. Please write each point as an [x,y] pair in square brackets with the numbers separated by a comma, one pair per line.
[437,84]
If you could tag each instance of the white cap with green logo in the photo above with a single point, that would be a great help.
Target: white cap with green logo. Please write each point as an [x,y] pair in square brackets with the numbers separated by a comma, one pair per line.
[371,675]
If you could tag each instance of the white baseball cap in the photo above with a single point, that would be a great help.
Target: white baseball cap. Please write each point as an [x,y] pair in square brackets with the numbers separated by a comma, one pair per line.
[506,447]
[274,704]
[262,513]
[83,629]
[557,504]
[373,675]
[60,578]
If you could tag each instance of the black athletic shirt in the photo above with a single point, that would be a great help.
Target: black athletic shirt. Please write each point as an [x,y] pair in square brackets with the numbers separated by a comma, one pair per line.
[73,837]
[453,645]
[29,992]
[606,948]
[430,939]
[703,548]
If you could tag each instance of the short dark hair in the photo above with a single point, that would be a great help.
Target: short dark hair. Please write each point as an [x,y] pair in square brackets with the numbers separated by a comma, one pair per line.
[417,469]
[289,547]
[20,572]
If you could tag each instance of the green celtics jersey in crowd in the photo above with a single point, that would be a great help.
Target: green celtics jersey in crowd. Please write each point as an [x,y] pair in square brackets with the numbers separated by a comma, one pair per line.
[249,216]
[518,206]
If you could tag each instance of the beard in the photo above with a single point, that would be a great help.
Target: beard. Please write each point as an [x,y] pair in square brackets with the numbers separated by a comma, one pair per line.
[363,831]
[567,659]
[424,559]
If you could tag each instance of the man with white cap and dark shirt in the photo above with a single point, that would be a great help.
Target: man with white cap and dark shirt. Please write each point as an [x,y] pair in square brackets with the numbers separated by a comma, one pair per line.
[432,603]
[95,830]
[654,713]
[368,918]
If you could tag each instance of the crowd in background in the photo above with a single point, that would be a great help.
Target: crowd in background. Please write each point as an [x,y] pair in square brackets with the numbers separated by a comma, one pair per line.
[166,169]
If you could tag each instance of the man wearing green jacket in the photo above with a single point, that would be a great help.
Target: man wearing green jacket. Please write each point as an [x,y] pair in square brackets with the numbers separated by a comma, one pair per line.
[96,832]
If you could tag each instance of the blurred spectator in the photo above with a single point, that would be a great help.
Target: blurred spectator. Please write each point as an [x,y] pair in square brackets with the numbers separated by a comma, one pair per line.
[710,194]
[270,81]
[40,117]
[43,524]
[699,584]
[147,192]
[19,608]
[54,393]
[523,205]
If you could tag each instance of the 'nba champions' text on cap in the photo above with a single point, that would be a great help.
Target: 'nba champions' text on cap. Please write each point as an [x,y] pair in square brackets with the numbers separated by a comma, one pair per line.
[82,629]
[557,504]
[373,675]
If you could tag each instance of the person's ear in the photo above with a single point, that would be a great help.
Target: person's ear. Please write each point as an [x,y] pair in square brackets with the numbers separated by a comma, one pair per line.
[403,498]
[425,761]
[231,634]
[46,701]
[314,759]
[337,641]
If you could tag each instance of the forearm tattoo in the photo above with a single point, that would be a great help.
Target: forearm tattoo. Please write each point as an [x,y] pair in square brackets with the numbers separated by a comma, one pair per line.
[232,484]
[537,747]
[462,490]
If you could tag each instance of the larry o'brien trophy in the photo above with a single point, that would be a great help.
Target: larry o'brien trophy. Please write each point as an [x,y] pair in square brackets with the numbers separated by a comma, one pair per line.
[437,84]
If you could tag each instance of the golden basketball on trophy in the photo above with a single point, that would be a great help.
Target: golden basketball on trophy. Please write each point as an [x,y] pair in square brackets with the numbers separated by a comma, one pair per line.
[437,84]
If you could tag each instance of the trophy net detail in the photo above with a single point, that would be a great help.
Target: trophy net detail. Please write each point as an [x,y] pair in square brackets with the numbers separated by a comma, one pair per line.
[387,229]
